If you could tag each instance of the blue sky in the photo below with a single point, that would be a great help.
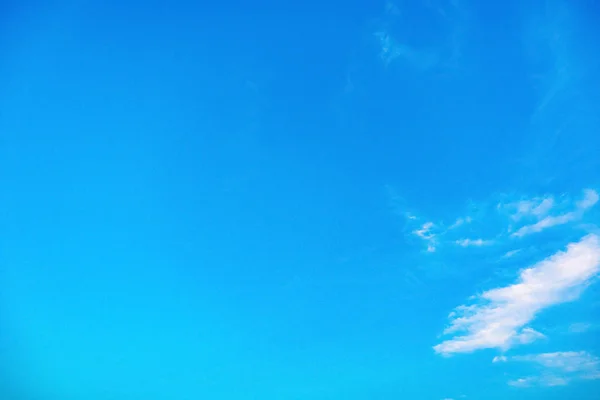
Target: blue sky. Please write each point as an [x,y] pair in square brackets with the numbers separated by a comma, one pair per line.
[326,200]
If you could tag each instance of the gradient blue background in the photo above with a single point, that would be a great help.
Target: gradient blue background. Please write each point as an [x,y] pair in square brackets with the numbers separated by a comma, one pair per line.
[201,201]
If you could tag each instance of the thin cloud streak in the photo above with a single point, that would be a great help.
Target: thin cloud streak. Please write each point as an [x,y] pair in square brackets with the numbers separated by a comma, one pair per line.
[511,253]
[473,242]
[460,222]
[590,199]
[547,222]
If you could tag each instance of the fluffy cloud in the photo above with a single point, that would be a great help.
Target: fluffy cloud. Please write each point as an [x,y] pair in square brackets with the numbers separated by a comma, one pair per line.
[559,368]
[500,316]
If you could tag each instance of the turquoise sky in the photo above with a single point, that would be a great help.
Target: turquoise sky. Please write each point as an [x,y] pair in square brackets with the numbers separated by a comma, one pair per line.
[313,200]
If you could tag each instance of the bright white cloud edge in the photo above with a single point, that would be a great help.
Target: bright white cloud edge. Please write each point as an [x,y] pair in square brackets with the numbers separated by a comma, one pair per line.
[500,316]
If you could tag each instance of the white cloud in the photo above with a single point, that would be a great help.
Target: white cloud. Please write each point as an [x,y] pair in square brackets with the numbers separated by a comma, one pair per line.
[460,222]
[473,242]
[521,382]
[425,233]
[537,207]
[511,253]
[566,361]
[499,318]
[549,380]
[590,198]
[559,368]
[543,207]
[545,223]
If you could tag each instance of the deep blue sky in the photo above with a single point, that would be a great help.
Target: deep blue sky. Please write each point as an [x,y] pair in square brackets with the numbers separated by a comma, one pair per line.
[288,201]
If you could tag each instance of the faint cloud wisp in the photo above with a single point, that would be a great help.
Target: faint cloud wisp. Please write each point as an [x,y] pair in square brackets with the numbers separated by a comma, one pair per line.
[473,242]
[558,368]
[590,198]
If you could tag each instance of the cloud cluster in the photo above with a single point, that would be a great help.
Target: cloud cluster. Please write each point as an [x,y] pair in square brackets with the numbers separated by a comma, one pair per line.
[500,316]
[507,221]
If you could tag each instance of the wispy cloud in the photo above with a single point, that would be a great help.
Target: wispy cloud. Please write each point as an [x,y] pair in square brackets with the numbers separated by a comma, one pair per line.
[460,222]
[391,49]
[567,361]
[558,368]
[538,381]
[473,242]
[545,223]
[590,198]
[391,8]
[580,327]
[521,382]
[511,253]
[398,45]
[424,232]
[500,316]
[538,207]
[498,222]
